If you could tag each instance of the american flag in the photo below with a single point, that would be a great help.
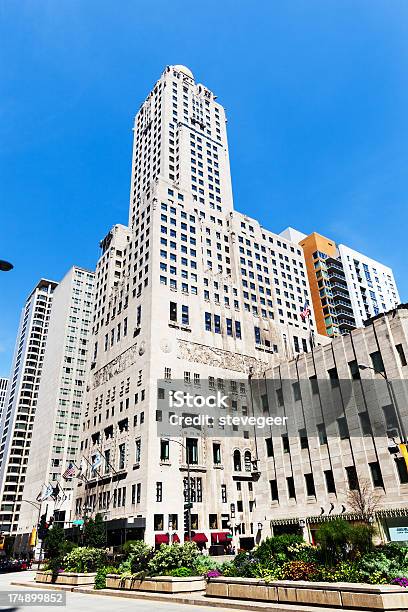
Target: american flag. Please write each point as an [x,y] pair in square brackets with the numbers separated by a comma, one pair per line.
[69,472]
[305,312]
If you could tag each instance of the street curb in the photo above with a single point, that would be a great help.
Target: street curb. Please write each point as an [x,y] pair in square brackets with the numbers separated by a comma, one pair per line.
[236,604]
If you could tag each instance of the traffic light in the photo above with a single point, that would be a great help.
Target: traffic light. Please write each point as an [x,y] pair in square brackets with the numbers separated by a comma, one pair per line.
[186,521]
[43,527]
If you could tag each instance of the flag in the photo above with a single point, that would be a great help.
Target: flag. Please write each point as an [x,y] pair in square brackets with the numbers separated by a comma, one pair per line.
[45,493]
[305,312]
[55,492]
[69,472]
[82,467]
[96,461]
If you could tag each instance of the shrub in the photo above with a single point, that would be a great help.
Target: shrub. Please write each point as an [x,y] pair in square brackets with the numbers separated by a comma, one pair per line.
[299,570]
[127,546]
[139,555]
[168,558]
[277,549]
[101,573]
[361,538]
[55,548]
[84,559]
[204,564]
[182,572]
[334,538]
[95,532]
[244,565]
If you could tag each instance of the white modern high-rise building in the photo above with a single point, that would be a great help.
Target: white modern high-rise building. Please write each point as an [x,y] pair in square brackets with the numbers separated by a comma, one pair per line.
[373,289]
[3,393]
[191,293]
[55,435]
[347,287]
[21,401]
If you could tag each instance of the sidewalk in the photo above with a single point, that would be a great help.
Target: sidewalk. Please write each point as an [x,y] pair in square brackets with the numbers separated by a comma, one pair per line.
[189,599]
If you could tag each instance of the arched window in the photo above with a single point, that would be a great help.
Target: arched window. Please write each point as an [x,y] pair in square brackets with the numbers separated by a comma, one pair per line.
[237,461]
[247,461]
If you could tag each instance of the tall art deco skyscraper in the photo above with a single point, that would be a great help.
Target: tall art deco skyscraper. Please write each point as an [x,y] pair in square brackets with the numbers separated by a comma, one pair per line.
[191,291]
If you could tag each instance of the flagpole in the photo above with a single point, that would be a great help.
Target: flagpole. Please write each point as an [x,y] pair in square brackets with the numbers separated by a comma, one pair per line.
[311,333]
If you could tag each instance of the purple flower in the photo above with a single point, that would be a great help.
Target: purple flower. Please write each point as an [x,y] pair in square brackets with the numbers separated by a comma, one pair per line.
[213,574]
[401,581]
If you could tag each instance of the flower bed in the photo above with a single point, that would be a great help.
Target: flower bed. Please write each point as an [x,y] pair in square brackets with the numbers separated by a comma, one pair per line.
[159,584]
[343,595]
[68,578]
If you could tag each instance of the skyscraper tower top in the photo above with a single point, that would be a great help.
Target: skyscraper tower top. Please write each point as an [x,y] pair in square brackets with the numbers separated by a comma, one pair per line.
[184,70]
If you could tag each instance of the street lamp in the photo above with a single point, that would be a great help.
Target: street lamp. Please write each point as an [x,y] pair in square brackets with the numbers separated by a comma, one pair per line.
[37,506]
[188,504]
[364,366]
[5,266]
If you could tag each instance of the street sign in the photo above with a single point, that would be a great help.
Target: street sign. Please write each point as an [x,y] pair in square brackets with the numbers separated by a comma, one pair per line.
[78,522]
[188,506]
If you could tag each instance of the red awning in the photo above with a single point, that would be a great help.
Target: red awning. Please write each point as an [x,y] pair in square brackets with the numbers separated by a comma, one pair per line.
[175,538]
[221,537]
[199,538]
[161,538]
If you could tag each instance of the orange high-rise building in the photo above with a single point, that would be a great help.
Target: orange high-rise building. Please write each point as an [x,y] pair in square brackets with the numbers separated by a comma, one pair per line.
[330,296]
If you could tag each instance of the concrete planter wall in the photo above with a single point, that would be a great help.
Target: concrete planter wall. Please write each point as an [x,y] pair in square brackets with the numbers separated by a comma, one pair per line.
[341,594]
[159,584]
[68,578]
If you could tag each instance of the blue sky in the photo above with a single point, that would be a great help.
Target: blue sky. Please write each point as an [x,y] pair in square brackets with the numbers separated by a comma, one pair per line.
[316,93]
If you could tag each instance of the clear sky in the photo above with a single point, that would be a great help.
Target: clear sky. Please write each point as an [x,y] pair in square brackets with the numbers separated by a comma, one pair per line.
[316,93]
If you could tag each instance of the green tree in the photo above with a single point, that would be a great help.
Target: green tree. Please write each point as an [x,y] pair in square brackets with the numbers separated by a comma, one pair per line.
[95,533]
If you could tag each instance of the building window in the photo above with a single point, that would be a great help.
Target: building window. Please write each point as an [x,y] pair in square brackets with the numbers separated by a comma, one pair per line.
[352,478]
[138,447]
[365,423]
[185,317]
[400,350]
[296,391]
[291,487]
[310,485]
[173,311]
[334,377]
[330,484]
[159,491]
[122,456]
[321,432]
[304,442]
[402,470]
[285,443]
[354,370]
[247,461]
[217,453]
[213,521]
[192,451]
[138,492]
[314,384]
[158,522]
[274,490]
[391,421]
[343,428]
[377,361]
[376,474]
[224,493]
[269,447]
[237,461]
[164,450]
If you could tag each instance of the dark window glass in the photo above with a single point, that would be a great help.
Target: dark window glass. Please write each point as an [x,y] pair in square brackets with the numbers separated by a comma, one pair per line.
[310,485]
[330,484]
